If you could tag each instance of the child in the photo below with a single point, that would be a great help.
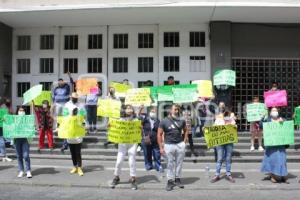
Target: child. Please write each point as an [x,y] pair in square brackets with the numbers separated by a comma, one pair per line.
[22,151]
[255,131]
[45,122]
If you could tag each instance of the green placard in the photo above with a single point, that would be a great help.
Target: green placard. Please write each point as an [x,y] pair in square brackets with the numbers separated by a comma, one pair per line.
[45,95]
[256,111]
[185,95]
[297,116]
[3,111]
[32,93]
[225,77]
[165,93]
[19,126]
[279,133]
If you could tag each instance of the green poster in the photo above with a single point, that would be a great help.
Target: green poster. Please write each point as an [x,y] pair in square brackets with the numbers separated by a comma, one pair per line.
[153,93]
[225,77]
[19,126]
[297,116]
[45,95]
[32,93]
[3,111]
[185,95]
[165,93]
[256,111]
[279,133]
[187,86]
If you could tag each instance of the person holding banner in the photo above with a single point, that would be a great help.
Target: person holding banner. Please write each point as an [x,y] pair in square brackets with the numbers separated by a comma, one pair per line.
[6,109]
[22,150]
[91,109]
[175,133]
[224,152]
[255,131]
[123,149]
[275,163]
[45,122]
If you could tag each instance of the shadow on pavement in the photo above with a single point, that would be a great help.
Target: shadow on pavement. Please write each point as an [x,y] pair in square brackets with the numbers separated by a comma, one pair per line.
[40,171]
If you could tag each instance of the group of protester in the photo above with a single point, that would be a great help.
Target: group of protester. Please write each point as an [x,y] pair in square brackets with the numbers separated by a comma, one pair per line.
[166,137]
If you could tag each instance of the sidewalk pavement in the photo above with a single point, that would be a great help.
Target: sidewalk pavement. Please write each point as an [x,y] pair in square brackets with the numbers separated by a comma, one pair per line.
[99,175]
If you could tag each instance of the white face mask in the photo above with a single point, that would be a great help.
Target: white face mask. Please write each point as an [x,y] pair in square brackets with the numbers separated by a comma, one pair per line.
[21,113]
[274,114]
[152,115]
[45,106]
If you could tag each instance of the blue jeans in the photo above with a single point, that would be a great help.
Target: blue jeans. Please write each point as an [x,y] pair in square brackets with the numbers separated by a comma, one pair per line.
[2,147]
[224,151]
[149,151]
[22,150]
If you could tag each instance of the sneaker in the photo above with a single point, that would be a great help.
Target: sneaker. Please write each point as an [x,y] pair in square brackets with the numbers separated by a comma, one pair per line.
[133,184]
[230,179]
[6,159]
[252,148]
[115,182]
[28,174]
[170,185]
[161,170]
[261,148]
[139,149]
[215,179]
[79,171]
[178,183]
[73,170]
[21,174]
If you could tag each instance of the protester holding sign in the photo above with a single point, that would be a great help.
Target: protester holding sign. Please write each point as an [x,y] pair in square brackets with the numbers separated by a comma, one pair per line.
[225,150]
[123,149]
[5,108]
[275,162]
[45,122]
[22,151]
[255,130]
[91,109]
[175,133]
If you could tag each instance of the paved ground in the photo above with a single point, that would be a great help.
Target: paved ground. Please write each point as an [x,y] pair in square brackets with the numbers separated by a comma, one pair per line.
[51,180]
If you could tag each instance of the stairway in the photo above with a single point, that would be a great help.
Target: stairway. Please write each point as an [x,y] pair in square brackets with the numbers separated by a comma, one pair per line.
[93,149]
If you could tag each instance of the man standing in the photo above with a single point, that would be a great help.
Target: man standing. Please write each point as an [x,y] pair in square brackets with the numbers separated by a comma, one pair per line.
[174,148]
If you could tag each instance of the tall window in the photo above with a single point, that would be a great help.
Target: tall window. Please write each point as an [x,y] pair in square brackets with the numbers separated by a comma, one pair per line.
[120,41]
[120,65]
[46,85]
[94,65]
[197,64]
[145,64]
[71,42]
[71,65]
[171,39]
[47,42]
[46,65]
[23,66]
[197,39]
[24,42]
[22,87]
[171,63]
[146,40]
[95,41]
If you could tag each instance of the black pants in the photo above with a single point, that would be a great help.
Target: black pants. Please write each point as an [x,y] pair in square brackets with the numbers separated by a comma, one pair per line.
[76,154]
[92,116]
[191,142]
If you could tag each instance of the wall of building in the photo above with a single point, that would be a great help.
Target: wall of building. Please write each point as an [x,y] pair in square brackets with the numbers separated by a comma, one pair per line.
[5,59]
[107,53]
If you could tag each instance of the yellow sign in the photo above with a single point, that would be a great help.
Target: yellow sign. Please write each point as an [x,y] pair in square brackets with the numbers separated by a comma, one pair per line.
[70,127]
[204,88]
[124,132]
[84,86]
[45,95]
[138,97]
[219,135]
[109,108]
[120,89]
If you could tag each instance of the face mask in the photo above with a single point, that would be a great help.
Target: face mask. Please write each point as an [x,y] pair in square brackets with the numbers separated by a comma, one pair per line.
[7,104]
[21,113]
[152,115]
[74,100]
[274,114]
[45,106]
[226,118]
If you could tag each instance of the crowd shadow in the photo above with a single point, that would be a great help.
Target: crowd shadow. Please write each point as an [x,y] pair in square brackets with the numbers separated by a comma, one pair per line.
[41,171]
[148,178]
[6,167]
[93,168]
